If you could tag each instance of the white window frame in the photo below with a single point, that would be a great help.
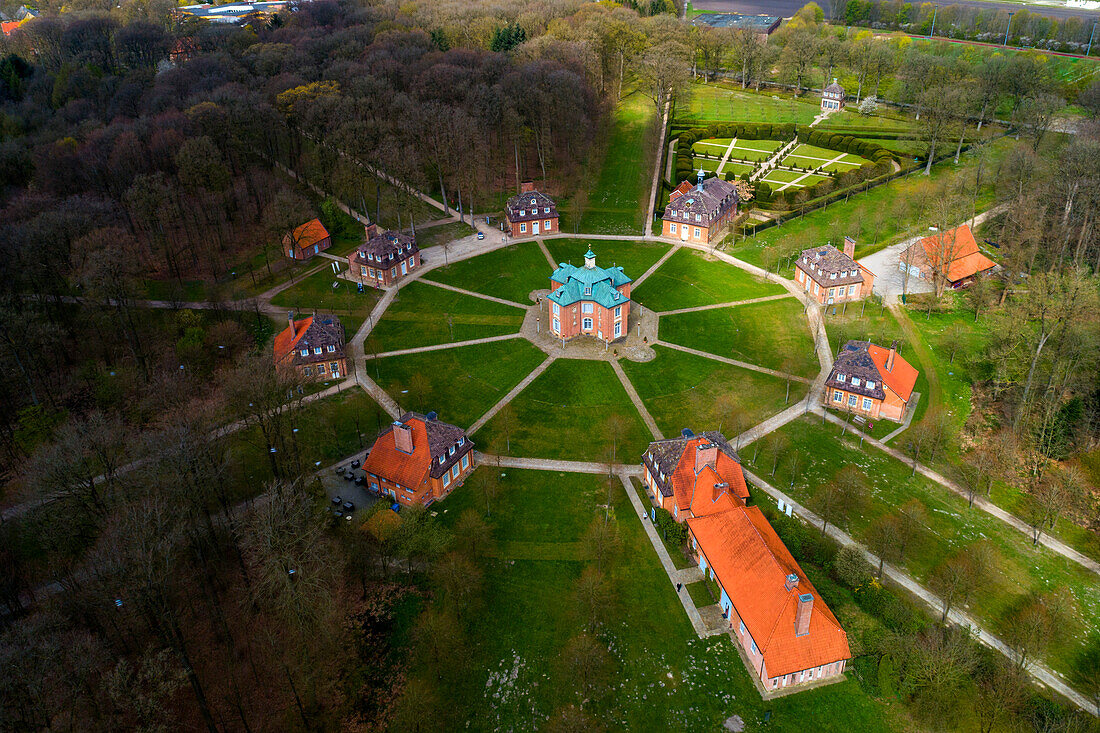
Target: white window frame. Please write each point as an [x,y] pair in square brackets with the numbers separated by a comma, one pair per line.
[867,403]
[587,308]
[586,324]
[523,227]
[672,227]
[838,396]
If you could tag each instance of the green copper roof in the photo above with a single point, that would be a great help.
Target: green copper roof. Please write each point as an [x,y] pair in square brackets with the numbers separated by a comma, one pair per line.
[596,284]
[590,255]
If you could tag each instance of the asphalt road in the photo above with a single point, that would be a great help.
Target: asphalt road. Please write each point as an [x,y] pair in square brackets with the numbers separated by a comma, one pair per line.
[787,8]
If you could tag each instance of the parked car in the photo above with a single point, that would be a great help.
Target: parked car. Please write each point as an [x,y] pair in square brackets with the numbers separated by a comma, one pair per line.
[481,235]
[348,507]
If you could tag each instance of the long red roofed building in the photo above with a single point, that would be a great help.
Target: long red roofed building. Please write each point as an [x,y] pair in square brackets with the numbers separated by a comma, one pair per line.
[788,634]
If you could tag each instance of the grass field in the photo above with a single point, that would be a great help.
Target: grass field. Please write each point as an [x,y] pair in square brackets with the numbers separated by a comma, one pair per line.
[686,391]
[663,677]
[634,257]
[437,235]
[510,273]
[688,279]
[460,384]
[707,103]
[816,452]
[617,200]
[772,334]
[316,293]
[823,154]
[564,412]
[755,150]
[424,315]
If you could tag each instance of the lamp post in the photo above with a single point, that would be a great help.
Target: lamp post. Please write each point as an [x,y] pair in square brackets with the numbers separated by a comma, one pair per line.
[935,9]
[1009,26]
[1091,34]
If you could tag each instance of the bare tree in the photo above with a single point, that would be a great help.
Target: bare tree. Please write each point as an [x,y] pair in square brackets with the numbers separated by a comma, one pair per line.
[958,577]
[841,496]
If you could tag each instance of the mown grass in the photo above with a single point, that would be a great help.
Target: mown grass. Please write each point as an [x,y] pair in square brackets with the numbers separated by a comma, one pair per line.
[510,272]
[815,453]
[663,676]
[564,414]
[634,257]
[772,334]
[437,235]
[462,383]
[315,293]
[426,315]
[618,198]
[682,390]
[688,279]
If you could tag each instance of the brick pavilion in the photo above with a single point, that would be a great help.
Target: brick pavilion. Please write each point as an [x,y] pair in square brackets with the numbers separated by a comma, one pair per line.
[589,301]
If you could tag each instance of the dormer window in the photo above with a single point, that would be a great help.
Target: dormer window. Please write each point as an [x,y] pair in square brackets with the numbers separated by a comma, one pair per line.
[317,350]
[870,385]
[305,352]
[532,202]
[331,348]
[462,441]
[523,212]
[855,381]
[841,377]
[546,210]
[370,256]
[441,459]
[588,290]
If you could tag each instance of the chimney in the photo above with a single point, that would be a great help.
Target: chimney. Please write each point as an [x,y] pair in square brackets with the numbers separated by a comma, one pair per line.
[890,358]
[527,187]
[706,454]
[802,614]
[403,437]
[290,318]
[719,489]
[791,582]
[850,247]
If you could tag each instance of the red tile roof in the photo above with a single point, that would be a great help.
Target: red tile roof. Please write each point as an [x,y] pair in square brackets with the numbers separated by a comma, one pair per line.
[680,190]
[959,244]
[309,234]
[407,469]
[687,486]
[285,342]
[752,565]
[900,378]
[8,26]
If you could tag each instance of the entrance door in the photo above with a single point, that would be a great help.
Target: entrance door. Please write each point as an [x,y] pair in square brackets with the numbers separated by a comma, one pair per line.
[404,268]
[684,233]
[534,228]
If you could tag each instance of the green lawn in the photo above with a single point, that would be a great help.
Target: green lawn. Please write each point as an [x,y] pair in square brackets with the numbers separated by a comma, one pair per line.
[824,154]
[634,257]
[663,678]
[755,150]
[424,315]
[688,278]
[816,452]
[442,233]
[316,293]
[682,390]
[618,198]
[772,334]
[463,383]
[564,413]
[510,273]
[719,102]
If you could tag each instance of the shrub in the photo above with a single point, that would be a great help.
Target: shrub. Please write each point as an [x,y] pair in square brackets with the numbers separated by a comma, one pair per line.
[669,528]
[763,192]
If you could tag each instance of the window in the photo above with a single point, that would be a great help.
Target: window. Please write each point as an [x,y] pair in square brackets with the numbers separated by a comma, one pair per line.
[831,292]
[320,369]
[465,461]
[837,396]
[362,270]
[523,227]
[462,441]
[586,307]
[316,349]
[866,403]
[870,385]
[618,328]
[841,377]
[672,227]
[588,290]
[523,212]
[742,627]
[370,256]
[855,381]
[451,452]
[393,272]
[557,326]
[698,217]
[305,352]
[851,290]
[546,223]
[330,348]
[754,649]
[441,459]
[447,479]
[696,232]
[546,210]
[851,400]
[532,202]
[454,471]
[809,674]
[334,367]
[815,288]
[587,324]
[618,311]
[308,371]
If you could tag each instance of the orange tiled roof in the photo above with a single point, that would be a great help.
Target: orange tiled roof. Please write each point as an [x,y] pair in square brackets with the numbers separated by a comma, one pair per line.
[284,342]
[680,190]
[8,26]
[407,469]
[687,486]
[966,260]
[752,565]
[901,378]
[310,233]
